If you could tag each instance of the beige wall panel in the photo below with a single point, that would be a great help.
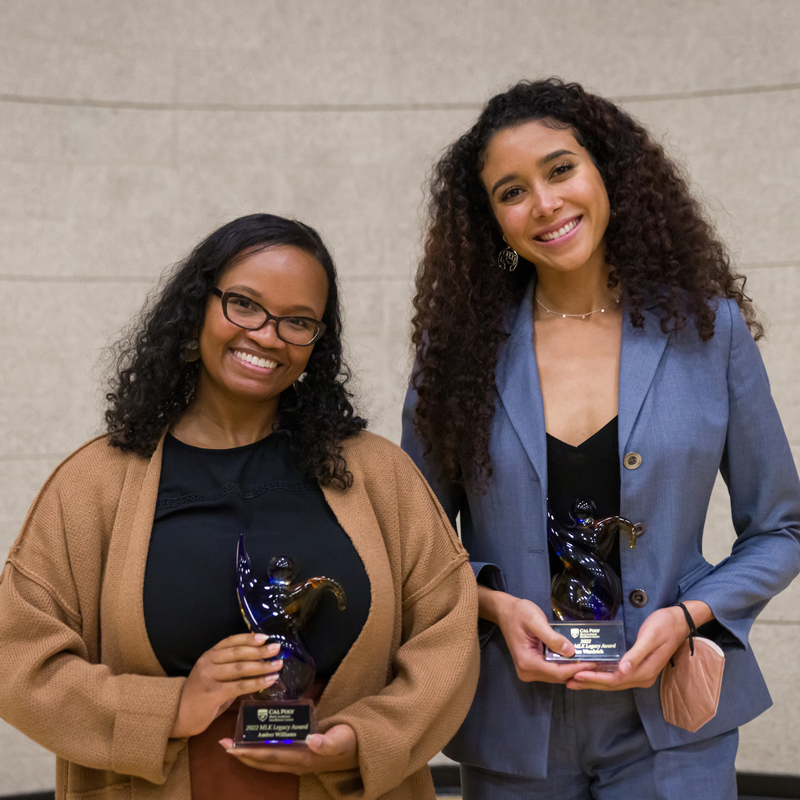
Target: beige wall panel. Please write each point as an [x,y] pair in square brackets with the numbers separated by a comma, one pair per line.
[96,71]
[416,51]
[55,406]
[135,196]
[86,191]
[769,743]
[41,424]
[123,197]
[143,22]
[25,766]
[209,199]
[66,251]
[776,293]
[356,177]
[68,135]
[625,48]
[744,157]
[377,318]
[290,54]
[37,191]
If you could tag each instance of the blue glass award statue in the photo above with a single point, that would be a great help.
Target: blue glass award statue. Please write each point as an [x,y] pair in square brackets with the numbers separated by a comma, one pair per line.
[280,609]
[587,595]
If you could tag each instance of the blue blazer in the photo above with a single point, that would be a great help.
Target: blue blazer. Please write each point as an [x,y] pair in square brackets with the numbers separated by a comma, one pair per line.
[689,409]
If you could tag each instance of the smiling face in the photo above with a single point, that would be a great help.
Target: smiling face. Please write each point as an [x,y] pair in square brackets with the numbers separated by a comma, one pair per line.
[547,196]
[241,365]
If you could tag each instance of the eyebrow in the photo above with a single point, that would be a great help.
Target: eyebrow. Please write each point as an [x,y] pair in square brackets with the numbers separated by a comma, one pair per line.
[249,290]
[540,163]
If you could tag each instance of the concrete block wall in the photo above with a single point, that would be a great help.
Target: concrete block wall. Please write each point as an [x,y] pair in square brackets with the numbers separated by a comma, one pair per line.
[130,130]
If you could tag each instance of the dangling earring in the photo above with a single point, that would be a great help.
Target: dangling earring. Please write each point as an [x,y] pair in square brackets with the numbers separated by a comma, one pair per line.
[192,351]
[507,258]
[300,379]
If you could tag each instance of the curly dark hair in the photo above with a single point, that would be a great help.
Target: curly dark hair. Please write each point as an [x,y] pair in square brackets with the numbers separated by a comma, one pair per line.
[152,384]
[659,242]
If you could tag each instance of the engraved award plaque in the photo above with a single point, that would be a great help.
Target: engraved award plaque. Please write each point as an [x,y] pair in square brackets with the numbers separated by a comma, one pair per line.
[587,595]
[280,609]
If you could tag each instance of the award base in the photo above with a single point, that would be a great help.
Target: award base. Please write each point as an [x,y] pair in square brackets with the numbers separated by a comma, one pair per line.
[274,722]
[598,642]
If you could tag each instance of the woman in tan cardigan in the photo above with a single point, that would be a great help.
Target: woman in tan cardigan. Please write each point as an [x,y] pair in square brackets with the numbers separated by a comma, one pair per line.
[119,650]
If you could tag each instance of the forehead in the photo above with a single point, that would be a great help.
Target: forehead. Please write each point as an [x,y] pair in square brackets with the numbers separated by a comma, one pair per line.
[525,144]
[271,263]
[280,273]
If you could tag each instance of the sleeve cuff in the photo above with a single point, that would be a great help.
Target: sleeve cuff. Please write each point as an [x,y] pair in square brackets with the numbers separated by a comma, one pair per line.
[143,722]
[491,576]
[722,629]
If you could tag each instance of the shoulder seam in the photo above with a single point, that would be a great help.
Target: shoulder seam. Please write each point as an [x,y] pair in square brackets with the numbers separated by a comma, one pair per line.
[39,581]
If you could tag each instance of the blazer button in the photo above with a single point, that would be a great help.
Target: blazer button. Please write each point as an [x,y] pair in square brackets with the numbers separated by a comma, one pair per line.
[638,598]
[632,461]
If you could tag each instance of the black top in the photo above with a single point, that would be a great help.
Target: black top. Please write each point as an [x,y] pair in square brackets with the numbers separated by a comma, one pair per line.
[588,471]
[205,498]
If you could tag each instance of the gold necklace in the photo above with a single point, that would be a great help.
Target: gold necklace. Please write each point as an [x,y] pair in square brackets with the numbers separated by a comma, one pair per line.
[582,316]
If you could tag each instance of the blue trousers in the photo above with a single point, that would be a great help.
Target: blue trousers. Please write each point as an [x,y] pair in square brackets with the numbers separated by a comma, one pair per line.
[598,749]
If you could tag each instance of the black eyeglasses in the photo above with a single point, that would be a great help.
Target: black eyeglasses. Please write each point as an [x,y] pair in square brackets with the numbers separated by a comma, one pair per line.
[246,313]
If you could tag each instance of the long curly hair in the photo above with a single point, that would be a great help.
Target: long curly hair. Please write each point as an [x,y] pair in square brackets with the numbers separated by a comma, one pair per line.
[659,242]
[152,384]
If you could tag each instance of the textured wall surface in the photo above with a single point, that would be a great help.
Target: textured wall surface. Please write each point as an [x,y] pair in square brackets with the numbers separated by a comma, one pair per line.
[130,130]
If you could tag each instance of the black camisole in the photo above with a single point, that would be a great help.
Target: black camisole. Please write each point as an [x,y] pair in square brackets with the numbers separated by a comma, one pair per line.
[590,470]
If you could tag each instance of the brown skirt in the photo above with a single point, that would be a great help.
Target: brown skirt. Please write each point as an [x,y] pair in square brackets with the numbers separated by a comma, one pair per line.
[216,775]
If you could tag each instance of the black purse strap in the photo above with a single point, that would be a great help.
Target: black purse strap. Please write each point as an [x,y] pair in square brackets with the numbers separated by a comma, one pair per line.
[692,627]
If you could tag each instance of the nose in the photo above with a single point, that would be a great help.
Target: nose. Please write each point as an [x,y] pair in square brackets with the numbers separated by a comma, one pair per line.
[546,201]
[267,336]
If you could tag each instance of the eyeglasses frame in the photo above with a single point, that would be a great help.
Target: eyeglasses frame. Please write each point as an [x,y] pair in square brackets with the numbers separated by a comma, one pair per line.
[321,327]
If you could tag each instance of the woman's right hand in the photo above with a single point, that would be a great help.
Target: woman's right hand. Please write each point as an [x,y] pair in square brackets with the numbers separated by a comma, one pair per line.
[234,667]
[527,630]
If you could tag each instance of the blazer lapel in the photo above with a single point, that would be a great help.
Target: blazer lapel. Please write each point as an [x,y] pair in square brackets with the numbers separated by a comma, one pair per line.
[641,353]
[517,381]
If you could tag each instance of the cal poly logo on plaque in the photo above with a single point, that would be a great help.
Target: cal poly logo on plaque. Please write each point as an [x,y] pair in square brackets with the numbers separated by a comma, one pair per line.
[574,632]
[263,714]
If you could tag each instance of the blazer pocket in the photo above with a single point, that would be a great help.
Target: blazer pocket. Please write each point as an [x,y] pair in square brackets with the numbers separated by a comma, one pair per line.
[691,578]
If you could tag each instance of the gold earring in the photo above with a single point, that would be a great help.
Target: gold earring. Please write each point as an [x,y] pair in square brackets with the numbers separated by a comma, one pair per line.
[192,351]
[300,379]
[508,258]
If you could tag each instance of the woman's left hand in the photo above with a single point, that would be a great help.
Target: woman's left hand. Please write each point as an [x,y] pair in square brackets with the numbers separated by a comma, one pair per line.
[659,637]
[326,752]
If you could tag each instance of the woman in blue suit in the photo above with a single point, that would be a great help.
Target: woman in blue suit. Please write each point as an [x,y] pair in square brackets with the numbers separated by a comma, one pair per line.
[577,320]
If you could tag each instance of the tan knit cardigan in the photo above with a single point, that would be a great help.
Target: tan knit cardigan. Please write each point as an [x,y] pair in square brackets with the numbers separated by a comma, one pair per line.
[78,674]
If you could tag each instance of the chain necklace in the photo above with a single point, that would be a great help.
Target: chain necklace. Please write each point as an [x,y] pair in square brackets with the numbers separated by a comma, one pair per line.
[576,316]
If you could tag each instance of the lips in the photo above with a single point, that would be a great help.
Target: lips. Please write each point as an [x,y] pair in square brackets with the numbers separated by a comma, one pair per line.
[554,235]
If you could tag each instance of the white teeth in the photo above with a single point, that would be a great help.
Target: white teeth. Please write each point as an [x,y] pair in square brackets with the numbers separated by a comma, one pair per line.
[548,237]
[251,359]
